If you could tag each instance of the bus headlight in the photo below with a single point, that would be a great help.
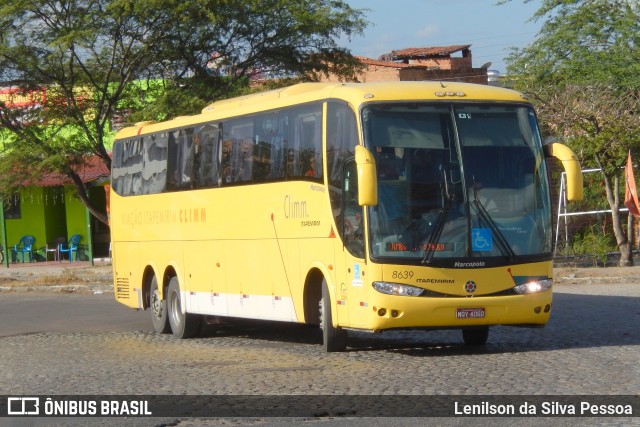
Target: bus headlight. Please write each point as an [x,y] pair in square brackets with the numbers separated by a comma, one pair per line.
[397,289]
[534,287]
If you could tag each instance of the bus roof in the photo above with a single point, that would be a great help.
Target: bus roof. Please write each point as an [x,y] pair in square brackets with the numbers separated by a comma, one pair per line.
[354,93]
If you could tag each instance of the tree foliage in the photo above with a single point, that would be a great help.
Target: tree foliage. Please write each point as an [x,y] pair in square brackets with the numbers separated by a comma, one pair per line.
[583,41]
[214,48]
[583,72]
[160,58]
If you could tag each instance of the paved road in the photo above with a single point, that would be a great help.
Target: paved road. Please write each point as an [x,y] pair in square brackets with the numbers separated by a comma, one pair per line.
[89,344]
[29,312]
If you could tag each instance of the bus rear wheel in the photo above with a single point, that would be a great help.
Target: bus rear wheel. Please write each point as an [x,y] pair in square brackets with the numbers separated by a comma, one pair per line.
[158,307]
[475,336]
[183,325]
[333,338]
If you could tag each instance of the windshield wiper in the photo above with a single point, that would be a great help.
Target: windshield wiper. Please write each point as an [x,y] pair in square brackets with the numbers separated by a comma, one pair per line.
[486,218]
[435,235]
[432,241]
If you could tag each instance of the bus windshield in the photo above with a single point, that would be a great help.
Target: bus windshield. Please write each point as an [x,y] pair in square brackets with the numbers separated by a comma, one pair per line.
[457,181]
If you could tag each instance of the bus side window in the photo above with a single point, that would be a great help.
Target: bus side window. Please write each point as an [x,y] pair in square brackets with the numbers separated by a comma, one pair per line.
[207,156]
[180,173]
[225,161]
[186,156]
[304,155]
[237,151]
[154,175]
[242,159]
[341,141]
[279,148]
[128,162]
[269,150]
[261,161]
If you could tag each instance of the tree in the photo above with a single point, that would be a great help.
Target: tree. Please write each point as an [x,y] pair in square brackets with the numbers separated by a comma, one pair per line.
[89,56]
[213,48]
[583,72]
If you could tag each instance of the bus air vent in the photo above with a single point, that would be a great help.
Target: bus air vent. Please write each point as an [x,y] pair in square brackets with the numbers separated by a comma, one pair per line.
[122,288]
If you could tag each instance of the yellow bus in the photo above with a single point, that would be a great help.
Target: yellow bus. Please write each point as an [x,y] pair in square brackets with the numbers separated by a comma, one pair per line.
[365,206]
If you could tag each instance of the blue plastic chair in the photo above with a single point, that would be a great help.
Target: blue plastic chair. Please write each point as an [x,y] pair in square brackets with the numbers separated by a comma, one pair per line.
[24,246]
[71,247]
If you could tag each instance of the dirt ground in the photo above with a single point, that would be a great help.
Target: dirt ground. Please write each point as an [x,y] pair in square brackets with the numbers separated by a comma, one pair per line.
[600,275]
[68,278]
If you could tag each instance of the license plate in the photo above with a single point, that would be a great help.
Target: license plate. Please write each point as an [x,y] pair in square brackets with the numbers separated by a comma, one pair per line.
[470,313]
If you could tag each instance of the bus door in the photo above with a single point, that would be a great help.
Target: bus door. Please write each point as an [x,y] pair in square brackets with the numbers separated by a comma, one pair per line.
[350,277]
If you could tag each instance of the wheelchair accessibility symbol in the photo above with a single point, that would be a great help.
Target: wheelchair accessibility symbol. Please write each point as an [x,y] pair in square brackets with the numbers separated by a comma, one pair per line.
[481,239]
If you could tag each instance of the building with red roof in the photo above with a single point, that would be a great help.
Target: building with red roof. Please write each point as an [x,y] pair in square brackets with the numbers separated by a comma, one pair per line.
[448,63]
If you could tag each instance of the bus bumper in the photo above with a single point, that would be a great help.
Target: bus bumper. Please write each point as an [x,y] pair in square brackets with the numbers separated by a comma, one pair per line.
[416,312]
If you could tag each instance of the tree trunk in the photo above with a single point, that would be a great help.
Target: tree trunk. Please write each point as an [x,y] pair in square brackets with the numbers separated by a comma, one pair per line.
[82,194]
[612,188]
[626,258]
[626,253]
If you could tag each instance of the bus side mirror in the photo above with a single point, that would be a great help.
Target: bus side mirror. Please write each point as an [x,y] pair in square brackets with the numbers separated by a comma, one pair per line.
[367,177]
[571,167]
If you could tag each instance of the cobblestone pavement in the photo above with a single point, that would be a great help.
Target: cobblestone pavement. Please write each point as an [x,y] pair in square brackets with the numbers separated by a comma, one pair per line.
[591,346]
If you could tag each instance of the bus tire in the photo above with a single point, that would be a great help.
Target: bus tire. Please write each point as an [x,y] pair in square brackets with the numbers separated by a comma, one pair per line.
[158,307]
[183,325]
[475,336]
[333,338]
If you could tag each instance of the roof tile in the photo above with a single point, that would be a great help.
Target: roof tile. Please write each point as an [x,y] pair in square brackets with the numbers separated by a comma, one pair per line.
[422,52]
[93,169]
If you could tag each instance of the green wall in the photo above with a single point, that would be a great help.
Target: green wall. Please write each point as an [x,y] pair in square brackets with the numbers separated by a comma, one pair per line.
[52,212]
[101,238]
[42,215]
[76,216]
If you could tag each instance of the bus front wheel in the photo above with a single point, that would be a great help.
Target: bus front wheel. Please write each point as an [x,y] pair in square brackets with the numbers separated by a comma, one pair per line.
[333,338]
[158,307]
[183,325]
[475,336]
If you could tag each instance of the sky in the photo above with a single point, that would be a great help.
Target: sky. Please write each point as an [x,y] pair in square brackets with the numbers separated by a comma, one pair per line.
[490,29]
